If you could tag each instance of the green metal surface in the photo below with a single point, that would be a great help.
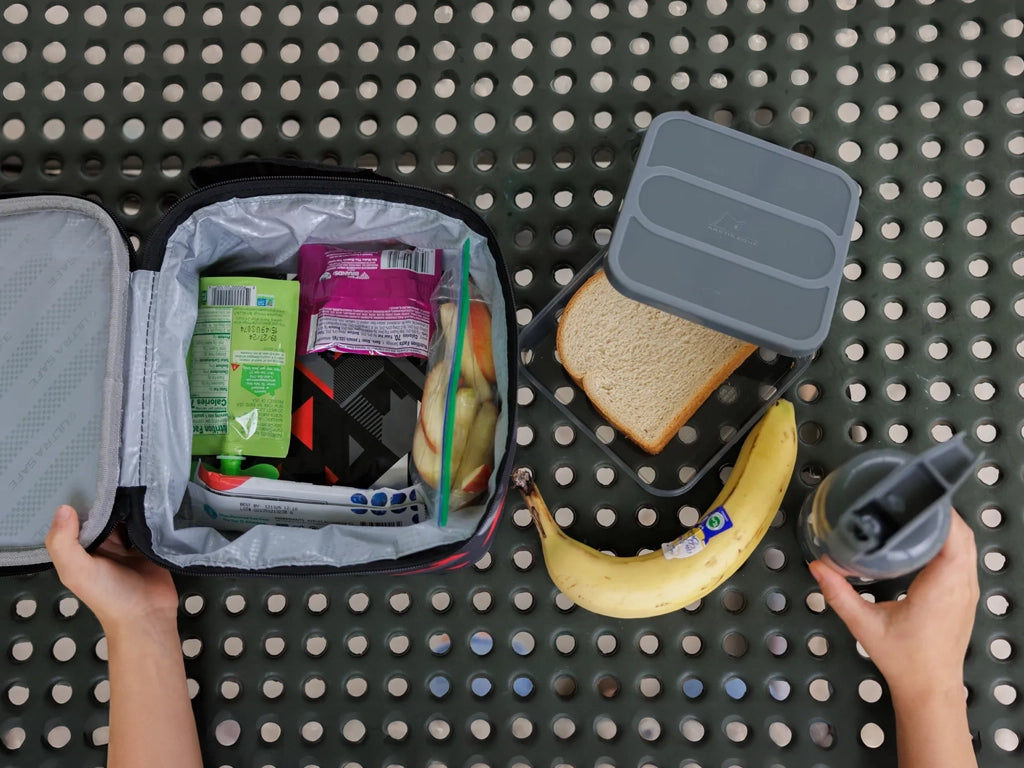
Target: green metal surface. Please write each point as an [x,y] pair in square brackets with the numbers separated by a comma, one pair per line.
[532,112]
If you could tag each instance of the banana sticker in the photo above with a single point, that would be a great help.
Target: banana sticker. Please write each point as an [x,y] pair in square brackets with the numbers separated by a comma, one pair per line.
[695,539]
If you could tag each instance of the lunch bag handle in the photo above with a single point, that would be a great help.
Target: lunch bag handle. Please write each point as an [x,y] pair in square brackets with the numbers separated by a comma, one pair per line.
[207,175]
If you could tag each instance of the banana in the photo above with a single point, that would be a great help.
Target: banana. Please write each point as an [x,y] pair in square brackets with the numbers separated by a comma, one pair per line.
[693,565]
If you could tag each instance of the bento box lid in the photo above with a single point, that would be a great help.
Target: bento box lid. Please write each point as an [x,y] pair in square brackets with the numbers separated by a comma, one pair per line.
[735,233]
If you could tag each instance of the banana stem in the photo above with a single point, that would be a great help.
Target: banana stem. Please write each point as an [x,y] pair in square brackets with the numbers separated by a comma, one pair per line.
[522,480]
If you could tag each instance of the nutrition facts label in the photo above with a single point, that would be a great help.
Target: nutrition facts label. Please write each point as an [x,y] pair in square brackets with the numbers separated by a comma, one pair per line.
[211,369]
[395,331]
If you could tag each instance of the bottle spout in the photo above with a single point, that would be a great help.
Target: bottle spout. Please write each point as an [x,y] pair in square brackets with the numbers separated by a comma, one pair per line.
[951,461]
[870,527]
[902,513]
[924,483]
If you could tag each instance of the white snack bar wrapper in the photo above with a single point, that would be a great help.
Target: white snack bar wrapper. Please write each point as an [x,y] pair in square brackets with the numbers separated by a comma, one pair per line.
[237,503]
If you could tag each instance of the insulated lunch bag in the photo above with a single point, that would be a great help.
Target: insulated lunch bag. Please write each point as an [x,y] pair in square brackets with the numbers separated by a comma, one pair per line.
[94,385]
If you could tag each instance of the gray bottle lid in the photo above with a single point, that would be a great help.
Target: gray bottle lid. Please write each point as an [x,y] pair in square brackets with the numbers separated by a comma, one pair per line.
[734,233]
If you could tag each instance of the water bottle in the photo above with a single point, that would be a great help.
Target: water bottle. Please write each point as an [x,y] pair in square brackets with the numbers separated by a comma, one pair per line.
[885,513]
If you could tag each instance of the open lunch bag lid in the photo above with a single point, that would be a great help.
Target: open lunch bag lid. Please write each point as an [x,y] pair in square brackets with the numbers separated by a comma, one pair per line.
[64,307]
[94,401]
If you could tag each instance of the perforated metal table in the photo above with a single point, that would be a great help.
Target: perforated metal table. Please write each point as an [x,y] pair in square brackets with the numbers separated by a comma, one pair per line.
[532,112]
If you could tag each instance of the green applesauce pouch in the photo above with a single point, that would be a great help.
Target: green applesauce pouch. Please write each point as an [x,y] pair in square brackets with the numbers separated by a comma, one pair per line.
[240,366]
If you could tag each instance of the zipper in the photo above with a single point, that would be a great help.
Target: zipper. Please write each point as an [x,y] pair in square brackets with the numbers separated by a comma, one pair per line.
[132,255]
[112,522]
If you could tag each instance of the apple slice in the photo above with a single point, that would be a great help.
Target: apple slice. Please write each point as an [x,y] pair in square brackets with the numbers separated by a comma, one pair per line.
[476,480]
[466,406]
[471,486]
[427,461]
[469,371]
[479,449]
[480,328]
[459,499]
[432,405]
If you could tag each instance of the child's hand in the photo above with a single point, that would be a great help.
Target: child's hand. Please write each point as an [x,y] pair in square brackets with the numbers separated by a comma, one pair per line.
[122,588]
[917,643]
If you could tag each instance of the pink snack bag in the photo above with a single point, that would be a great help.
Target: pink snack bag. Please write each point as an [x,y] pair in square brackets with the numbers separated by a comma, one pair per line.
[367,302]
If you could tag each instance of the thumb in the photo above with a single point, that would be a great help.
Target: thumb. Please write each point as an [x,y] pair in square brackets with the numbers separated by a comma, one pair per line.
[69,557]
[855,612]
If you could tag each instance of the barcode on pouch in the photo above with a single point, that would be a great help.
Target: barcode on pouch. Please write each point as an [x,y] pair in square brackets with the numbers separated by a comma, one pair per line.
[420,260]
[231,296]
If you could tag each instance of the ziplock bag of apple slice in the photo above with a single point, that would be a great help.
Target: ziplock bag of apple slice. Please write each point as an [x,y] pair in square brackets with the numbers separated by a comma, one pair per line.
[453,444]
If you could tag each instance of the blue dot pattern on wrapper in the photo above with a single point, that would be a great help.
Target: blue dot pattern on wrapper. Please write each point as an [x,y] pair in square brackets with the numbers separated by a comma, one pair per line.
[379,499]
[398,498]
[358,498]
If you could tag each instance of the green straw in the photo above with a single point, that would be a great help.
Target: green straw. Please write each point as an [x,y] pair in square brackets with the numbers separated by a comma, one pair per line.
[444,492]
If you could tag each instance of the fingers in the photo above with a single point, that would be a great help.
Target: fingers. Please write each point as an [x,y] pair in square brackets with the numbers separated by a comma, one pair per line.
[114,547]
[844,599]
[970,549]
[957,561]
[961,537]
[69,557]
[956,565]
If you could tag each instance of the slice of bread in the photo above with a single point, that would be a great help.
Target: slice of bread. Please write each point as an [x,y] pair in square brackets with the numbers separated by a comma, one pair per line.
[645,370]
